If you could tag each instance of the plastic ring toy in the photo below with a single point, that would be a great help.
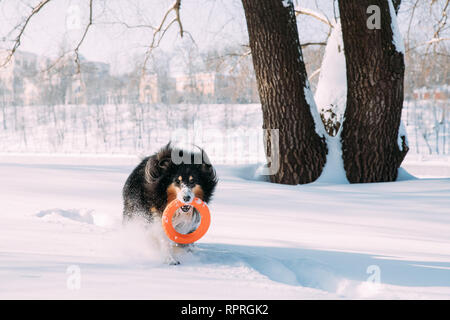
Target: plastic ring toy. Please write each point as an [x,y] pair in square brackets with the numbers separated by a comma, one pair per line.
[177,237]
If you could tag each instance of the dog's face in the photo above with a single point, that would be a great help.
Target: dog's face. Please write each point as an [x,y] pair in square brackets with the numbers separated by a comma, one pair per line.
[185,185]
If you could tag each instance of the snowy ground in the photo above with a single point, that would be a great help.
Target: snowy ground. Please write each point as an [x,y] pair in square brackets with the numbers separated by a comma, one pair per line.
[318,241]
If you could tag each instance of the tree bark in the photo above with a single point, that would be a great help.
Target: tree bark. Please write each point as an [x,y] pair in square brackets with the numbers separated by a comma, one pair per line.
[375,73]
[282,79]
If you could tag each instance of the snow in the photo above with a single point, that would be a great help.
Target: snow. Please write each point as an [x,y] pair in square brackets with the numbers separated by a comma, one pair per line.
[332,85]
[402,133]
[62,215]
[286,3]
[73,214]
[333,171]
[331,97]
[397,38]
[318,124]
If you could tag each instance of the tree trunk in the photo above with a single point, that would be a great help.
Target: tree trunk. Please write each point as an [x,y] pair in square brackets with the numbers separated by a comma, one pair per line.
[281,78]
[375,72]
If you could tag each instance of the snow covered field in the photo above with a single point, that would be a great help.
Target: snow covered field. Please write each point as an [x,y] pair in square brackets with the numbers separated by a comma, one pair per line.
[60,227]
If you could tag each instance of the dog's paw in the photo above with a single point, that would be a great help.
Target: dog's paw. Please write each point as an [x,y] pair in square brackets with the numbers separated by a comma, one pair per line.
[171,261]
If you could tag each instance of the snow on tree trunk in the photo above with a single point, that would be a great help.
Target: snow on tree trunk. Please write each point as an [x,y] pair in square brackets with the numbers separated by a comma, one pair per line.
[331,99]
[331,92]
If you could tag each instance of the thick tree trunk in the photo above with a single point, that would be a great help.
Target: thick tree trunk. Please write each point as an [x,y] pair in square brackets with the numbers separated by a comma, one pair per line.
[281,78]
[375,71]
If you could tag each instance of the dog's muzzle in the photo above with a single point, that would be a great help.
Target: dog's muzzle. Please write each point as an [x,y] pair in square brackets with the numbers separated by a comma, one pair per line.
[186,196]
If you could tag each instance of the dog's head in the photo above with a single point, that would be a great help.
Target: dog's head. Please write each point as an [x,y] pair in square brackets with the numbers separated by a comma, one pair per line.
[183,175]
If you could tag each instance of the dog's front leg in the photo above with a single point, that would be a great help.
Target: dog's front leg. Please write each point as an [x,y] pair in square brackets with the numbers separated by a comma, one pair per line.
[165,245]
[167,250]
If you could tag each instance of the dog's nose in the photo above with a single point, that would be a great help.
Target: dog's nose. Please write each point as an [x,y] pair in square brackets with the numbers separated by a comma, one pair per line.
[186,198]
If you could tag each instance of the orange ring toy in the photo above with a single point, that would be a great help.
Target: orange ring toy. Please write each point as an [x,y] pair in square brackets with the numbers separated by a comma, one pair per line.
[177,237]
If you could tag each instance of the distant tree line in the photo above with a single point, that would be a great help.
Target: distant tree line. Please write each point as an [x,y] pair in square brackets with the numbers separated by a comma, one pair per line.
[215,76]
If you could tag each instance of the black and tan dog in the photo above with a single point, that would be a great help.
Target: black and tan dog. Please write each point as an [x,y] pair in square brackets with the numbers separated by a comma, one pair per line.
[169,174]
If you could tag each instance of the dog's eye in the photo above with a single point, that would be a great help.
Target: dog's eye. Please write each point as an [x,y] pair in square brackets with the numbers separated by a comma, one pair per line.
[178,180]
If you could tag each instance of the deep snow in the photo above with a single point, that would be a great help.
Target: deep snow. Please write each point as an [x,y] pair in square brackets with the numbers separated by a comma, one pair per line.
[322,240]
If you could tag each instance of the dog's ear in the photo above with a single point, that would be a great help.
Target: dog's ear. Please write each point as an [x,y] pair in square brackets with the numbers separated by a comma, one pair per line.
[150,170]
[208,172]
[154,168]
[209,181]
[164,164]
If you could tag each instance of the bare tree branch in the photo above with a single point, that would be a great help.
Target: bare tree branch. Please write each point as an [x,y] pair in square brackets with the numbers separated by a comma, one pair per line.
[410,22]
[77,48]
[440,26]
[315,15]
[307,44]
[160,31]
[315,73]
[442,21]
[18,39]
[126,25]
[429,43]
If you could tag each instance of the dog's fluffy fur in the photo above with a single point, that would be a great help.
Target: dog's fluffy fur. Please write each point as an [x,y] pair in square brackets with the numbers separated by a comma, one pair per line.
[158,180]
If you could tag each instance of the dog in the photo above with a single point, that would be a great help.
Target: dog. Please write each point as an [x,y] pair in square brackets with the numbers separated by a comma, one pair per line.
[169,174]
